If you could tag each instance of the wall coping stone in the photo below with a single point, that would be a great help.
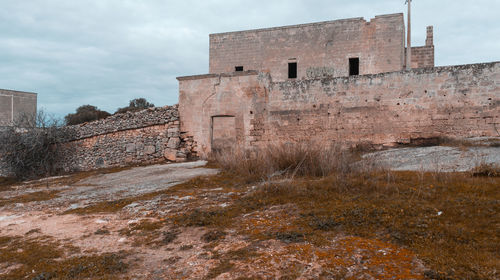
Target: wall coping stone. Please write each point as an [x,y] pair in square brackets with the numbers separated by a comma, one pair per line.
[224,75]
[304,25]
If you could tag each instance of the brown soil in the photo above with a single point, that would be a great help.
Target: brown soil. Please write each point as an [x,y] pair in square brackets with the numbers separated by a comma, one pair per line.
[384,225]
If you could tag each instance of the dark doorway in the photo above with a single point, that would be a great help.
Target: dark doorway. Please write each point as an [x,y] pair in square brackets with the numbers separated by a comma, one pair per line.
[238,68]
[354,66]
[292,70]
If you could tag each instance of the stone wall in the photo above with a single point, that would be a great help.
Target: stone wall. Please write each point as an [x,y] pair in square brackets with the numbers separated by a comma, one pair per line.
[422,57]
[319,49]
[148,136]
[382,109]
[143,137]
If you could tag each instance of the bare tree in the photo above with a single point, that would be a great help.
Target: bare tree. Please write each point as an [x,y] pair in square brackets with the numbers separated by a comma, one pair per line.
[33,146]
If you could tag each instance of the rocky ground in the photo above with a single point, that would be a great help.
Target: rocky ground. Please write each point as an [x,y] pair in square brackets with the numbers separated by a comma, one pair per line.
[436,158]
[148,223]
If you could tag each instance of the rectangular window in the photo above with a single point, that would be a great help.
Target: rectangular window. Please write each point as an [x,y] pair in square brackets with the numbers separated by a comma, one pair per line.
[292,70]
[354,66]
[238,68]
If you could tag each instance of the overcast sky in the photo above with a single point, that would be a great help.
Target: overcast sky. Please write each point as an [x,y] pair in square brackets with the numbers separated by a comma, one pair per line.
[106,52]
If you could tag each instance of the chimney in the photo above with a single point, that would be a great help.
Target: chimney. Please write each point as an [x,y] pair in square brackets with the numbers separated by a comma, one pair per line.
[430,36]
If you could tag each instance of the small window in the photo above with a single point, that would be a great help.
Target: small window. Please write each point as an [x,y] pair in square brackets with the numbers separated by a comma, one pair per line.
[354,66]
[238,68]
[292,70]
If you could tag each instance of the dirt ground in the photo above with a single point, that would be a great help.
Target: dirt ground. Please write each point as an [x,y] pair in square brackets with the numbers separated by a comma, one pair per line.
[148,223]
[79,217]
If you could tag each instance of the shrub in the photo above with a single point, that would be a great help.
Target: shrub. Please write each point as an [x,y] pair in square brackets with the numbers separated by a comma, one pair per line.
[135,105]
[33,152]
[85,113]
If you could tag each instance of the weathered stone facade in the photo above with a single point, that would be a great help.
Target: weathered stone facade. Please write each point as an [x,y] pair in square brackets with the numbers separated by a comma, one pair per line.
[423,57]
[318,49]
[458,101]
[323,81]
[15,104]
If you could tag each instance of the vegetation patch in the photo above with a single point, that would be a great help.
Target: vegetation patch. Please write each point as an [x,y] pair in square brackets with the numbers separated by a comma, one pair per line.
[290,237]
[213,235]
[29,197]
[226,260]
[487,170]
[6,183]
[43,258]
[446,219]
[169,237]
[149,233]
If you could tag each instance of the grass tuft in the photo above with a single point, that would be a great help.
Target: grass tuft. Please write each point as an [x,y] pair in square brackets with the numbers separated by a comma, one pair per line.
[487,170]
[288,160]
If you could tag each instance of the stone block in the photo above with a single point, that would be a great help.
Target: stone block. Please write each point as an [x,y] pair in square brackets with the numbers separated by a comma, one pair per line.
[130,148]
[173,142]
[170,154]
[148,150]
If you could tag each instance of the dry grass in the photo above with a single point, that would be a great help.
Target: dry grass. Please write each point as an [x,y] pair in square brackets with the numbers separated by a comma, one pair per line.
[286,160]
[488,170]
[6,183]
[43,258]
[30,197]
[449,220]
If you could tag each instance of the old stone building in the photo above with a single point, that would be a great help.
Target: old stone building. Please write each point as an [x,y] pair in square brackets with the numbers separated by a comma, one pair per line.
[325,49]
[16,104]
[340,80]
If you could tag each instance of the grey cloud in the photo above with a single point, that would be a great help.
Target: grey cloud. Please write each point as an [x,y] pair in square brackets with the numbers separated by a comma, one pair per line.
[106,52]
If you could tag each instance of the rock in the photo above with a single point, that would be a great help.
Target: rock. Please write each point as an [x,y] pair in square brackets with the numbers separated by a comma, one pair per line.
[170,154]
[173,142]
[173,132]
[181,154]
[181,160]
[148,150]
[130,148]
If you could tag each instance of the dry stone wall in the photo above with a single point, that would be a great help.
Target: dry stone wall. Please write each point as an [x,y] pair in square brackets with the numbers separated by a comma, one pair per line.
[148,136]
[144,137]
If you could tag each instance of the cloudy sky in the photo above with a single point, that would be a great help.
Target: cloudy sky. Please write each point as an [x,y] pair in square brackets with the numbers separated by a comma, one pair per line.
[106,52]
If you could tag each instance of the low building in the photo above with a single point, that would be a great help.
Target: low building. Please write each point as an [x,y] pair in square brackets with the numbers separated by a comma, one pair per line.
[16,106]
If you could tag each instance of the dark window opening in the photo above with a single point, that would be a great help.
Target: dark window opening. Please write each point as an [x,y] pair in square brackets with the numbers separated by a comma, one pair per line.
[354,66]
[238,68]
[292,70]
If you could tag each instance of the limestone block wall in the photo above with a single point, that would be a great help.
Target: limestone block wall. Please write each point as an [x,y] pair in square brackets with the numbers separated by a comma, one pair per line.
[422,57]
[319,49]
[203,98]
[458,101]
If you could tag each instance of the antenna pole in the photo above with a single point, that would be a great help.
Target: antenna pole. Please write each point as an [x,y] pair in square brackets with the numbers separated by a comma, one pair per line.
[408,44]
